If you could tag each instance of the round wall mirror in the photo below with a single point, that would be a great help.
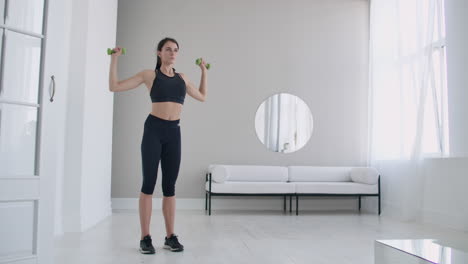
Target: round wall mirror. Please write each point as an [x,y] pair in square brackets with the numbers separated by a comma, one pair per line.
[283,123]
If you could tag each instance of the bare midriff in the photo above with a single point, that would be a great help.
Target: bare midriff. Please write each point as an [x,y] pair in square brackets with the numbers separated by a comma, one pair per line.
[166,110]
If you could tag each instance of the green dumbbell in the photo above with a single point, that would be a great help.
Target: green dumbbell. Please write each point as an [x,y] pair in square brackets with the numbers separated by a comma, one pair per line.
[198,62]
[111,51]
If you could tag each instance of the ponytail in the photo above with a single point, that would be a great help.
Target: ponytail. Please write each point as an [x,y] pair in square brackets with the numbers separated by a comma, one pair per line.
[158,64]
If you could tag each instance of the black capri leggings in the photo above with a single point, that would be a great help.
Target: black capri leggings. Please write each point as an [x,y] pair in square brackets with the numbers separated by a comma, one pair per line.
[161,141]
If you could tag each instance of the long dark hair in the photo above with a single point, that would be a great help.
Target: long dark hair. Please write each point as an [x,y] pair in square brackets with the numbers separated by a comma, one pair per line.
[160,45]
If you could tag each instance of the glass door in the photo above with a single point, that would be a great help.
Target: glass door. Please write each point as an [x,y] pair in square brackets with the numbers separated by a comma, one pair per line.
[21,62]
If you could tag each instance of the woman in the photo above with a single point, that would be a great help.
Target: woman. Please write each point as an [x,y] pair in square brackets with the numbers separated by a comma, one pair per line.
[161,136]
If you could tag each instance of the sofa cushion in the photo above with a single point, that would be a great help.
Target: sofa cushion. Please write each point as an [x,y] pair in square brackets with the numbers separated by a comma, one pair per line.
[248,173]
[365,175]
[250,187]
[219,173]
[319,174]
[335,188]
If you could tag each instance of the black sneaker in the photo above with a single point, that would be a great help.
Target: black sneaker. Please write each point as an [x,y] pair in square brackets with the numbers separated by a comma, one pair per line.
[146,247]
[172,243]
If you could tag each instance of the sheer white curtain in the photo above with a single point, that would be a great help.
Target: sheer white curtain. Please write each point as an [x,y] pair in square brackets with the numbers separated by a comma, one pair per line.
[272,110]
[286,123]
[407,96]
[295,122]
[281,122]
[289,121]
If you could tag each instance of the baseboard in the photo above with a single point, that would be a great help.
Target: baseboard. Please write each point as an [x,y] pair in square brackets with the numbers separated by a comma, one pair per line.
[250,203]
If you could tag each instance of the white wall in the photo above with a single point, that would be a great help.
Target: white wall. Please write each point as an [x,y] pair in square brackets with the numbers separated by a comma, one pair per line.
[444,200]
[64,8]
[317,50]
[437,196]
[72,171]
[456,12]
[87,180]
[98,112]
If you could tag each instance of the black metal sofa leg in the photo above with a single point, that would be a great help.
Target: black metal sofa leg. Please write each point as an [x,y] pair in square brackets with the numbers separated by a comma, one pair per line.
[297,204]
[359,203]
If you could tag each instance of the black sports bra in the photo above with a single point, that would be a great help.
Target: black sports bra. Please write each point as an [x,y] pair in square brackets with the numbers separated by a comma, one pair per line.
[168,89]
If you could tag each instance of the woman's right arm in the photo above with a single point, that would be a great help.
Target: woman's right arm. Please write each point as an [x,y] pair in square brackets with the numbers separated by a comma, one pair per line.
[117,86]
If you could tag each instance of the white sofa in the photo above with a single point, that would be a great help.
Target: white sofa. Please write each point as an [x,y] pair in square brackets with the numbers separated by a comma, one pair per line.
[258,180]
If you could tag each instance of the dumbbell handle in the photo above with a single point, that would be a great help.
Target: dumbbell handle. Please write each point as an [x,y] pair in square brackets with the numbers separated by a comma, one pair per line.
[198,62]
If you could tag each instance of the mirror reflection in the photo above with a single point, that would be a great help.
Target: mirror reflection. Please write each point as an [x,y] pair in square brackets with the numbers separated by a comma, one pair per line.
[283,123]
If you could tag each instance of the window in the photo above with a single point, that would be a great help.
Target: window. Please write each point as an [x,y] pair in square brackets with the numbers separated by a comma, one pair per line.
[408,87]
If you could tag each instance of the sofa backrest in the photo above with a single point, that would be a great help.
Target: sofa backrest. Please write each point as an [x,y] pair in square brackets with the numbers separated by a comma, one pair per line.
[250,173]
[319,174]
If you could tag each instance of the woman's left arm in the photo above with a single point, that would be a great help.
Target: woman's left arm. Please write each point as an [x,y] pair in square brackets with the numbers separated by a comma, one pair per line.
[200,93]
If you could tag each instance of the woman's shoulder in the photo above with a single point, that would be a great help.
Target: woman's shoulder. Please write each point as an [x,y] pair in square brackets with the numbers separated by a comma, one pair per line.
[148,71]
[148,74]
[148,77]
[181,75]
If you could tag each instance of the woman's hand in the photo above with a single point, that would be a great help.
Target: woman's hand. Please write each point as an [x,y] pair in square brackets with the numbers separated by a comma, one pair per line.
[117,52]
[203,65]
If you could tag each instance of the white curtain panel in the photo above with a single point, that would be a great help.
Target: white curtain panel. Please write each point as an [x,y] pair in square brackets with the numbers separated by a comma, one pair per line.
[272,122]
[407,95]
[288,120]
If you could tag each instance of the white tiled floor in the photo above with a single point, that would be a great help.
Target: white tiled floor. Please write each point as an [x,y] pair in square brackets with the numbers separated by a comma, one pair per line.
[245,237]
